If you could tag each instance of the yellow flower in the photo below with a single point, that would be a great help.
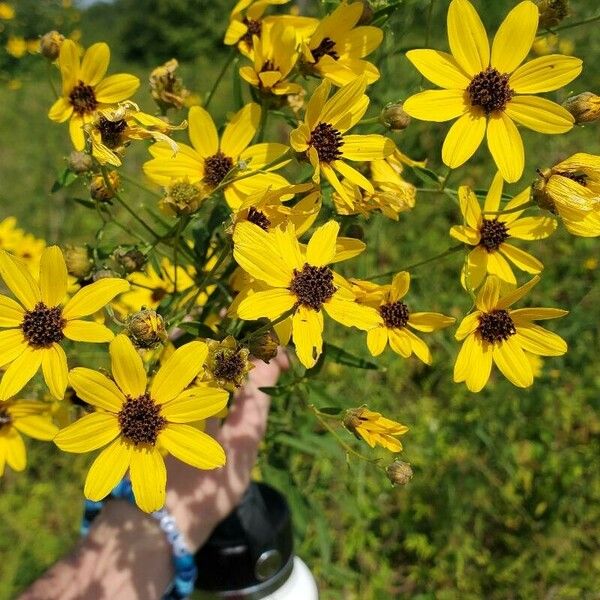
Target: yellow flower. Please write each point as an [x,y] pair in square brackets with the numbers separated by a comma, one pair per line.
[134,418]
[274,56]
[394,316]
[488,232]
[493,333]
[85,89]
[114,127]
[22,416]
[10,234]
[16,46]
[571,189]
[489,91]
[39,321]
[7,12]
[374,428]
[336,49]
[321,137]
[298,279]
[209,160]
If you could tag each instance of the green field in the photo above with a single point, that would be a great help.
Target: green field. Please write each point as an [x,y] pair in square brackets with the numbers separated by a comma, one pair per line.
[505,499]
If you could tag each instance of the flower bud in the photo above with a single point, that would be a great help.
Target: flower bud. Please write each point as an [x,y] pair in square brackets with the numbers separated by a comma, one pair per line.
[552,12]
[394,118]
[182,197]
[367,13]
[584,107]
[399,472]
[100,191]
[104,274]
[146,328]
[50,44]
[265,346]
[80,162]
[131,260]
[227,363]
[167,89]
[78,260]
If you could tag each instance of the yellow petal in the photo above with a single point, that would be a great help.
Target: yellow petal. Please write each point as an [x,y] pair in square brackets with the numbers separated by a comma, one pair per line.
[195,404]
[463,139]
[419,347]
[60,111]
[377,339]
[467,37]
[148,478]
[480,365]
[342,102]
[346,248]
[307,333]
[93,297]
[95,63]
[76,131]
[506,146]
[316,103]
[400,285]
[192,446]
[537,314]
[107,470]
[509,298]
[12,345]
[53,276]
[259,155]
[352,314]
[87,331]
[178,371]
[400,342]
[494,195]
[11,313]
[437,105]
[96,389]
[240,131]
[18,279]
[13,448]
[440,68]
[321,246]
[523,260]
[532,228]
[37,427]
[512,362]
[88,433]
[467,326]
[202,131]
[117,88]
[497,265]
[55,369]
[367,147]
[469,207]
[465,234]
[268,303]
[429,321]
[474,268]
[487,298]
[540,114]
[514,37]
[20,372]
[288,246]
[68,62]
[545,74]
[537,340]
[127,367]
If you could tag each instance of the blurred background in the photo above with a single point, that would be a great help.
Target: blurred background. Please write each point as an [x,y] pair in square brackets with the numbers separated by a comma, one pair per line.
[505,498]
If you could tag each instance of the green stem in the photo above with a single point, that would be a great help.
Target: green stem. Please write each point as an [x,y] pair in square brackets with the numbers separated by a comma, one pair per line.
[445,180]
[139,185]
[51,81]
[427,33]
[370,121]
[510,210]
[576,24]
[258,332]
[220,77]
[436,191]
[447,252]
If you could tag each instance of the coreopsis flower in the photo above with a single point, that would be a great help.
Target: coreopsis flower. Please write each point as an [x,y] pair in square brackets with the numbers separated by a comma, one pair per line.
[584,107]
[374,428]
[488,232]
[337,47]
[227,363]
[43,317]
[396,320]
[496,334]
[7,12]
[571,190]
[28,417]
[113,129]
[85,89]
[207,162]
[489,91]
[274,56]
[298,279]
[322,136]
[135,419]
[166,87]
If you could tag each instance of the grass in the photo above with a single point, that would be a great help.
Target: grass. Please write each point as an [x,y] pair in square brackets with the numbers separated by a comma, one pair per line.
[506,494]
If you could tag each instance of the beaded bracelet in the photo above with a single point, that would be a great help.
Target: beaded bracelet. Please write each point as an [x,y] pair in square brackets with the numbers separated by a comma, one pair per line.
[183,560]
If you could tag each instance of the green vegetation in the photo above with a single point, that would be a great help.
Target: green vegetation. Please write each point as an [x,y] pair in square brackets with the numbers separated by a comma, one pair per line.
[505,500]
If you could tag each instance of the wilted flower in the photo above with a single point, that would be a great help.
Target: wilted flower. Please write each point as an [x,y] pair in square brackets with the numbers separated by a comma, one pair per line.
[374,428]
[99,190]
[227,363]
[552,12]
[167,88]
[399,472]
[80,162]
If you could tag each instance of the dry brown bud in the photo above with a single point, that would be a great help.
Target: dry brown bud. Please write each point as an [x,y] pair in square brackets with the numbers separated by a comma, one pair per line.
[50,44]
[399,472]
[146,328]
[552,12]
[584,107]
[78,260]
[394,117]
[80,162]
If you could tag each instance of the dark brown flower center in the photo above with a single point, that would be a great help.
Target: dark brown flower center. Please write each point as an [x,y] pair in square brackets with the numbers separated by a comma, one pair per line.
[216,167]
[43,326]
[140,420]
[496,326]
[111,131]
[580,178]
[5,418]
[493,234]
[254,28]
[395,314]
[229,366]
[83,99]
[326,47]
[268,65]
[158,294]
[327,141]
[313,285]
[258,218]
[490,90]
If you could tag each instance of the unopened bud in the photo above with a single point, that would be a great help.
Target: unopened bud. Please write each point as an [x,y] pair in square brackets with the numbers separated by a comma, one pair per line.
[183,198]
[50,44]
[584,107]
[394,118]
[78,261]
[399,472]
[131,260]
[80,162]
[265,346]
[552,12]
[367,14]
[104,274]
[146,328]
[102,192]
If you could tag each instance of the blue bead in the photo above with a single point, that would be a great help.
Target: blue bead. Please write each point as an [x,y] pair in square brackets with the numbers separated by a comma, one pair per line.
[185,561]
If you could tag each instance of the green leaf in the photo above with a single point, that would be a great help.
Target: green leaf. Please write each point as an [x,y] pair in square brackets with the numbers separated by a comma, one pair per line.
[85,202]
[331,410]
[197,328]
[343,357]
[426,175]
[277,390]
[65,179]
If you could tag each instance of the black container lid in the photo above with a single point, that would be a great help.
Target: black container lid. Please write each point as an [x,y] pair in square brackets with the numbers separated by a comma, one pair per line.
[250,553]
